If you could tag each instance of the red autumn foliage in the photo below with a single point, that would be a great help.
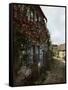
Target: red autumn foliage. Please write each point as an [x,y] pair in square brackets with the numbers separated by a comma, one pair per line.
[32,30]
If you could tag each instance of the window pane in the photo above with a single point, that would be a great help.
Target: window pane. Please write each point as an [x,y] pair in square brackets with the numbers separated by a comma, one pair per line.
[31,51]
[31,59]
[39,18]
[36,49]
[35,17]
[30,55]
[28,13]
[31,15]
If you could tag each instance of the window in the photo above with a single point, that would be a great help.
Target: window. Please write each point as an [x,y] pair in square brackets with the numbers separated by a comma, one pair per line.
[28,13]
[36,48]
[30,55]
[35,17]
[31,14]
[22,8]
[39,19]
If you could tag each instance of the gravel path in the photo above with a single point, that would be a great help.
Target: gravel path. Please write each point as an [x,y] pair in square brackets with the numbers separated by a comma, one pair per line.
[57,73]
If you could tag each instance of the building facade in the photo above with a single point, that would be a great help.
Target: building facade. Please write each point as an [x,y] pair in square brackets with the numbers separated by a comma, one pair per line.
[61,49]
[31,24]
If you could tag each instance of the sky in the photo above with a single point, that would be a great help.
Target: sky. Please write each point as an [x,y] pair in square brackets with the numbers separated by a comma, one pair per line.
[56,23]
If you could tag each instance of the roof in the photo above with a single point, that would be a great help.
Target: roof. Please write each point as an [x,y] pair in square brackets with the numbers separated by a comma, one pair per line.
[37,7]
[43,14]
[61,47]
[54,45]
